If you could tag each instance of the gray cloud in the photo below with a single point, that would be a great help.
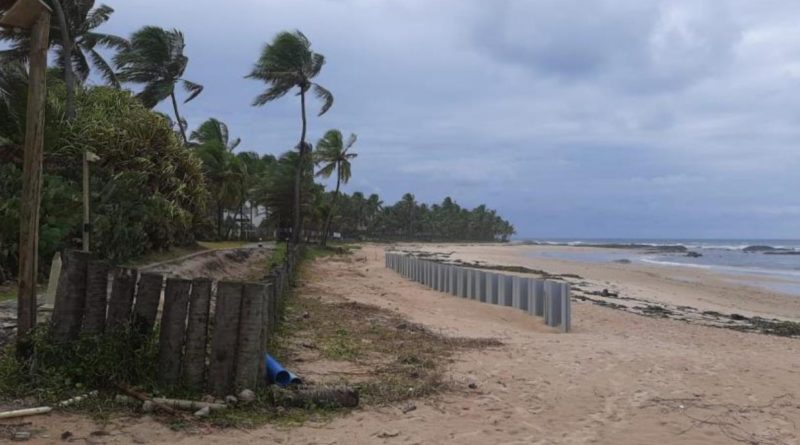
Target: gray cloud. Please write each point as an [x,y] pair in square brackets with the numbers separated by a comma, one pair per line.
[603,118]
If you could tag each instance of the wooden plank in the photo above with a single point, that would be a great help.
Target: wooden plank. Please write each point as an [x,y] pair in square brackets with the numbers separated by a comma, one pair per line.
[31,197]
[250,349]
[194,362]
[224,338]
[70,296]
[173,330]
[123,288]
[148,297]
[94,318]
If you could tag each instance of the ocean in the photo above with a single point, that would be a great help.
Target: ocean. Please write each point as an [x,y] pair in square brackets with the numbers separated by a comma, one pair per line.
[771,264]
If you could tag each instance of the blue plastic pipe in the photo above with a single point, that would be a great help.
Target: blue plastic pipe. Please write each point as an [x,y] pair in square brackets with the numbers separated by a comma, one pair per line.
[278,375]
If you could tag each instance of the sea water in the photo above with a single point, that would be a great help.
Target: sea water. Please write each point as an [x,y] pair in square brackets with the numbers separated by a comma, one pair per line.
[772,264]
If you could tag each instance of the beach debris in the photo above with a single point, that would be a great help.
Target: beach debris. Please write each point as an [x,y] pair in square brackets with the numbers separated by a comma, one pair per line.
[231,399]
[202,412]
[77,399]
[247,395]
[188,405]
[472,386]
[332,397]
[148,405]
[25,412]
[408,407]
[22,436]
[388,434]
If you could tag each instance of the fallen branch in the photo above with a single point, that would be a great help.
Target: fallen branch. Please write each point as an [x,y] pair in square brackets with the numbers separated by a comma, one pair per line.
[139,396]
[341,396]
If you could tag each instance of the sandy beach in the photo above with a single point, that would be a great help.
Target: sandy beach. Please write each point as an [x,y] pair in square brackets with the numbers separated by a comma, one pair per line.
[677,286]
[618,378]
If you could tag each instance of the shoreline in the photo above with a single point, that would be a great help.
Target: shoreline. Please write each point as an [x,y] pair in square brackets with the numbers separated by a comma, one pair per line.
[694,295]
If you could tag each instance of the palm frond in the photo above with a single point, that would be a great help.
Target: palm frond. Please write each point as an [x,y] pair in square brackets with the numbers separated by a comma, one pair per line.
[105,69]
[155,92]
[194,89]
[327,170]
[98,16]
[80,66]
[326,97]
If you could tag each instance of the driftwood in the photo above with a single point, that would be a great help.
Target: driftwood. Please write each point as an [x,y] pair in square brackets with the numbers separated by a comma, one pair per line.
[142,397]
[331,397]
[190,405]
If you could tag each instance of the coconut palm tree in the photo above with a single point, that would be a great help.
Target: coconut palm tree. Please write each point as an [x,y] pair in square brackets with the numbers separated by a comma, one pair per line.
[74,34]
[155,58]
[225,173]
[285,64]
[332,153]
[214,131]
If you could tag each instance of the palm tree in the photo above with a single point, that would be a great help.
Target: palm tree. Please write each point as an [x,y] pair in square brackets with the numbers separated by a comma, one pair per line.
[155,58]
[225,173]
[75,36]
[214,131]
[285,64]
[332,153]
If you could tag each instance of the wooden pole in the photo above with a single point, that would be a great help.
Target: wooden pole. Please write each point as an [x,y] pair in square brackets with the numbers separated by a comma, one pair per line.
[32,178]
[86,220]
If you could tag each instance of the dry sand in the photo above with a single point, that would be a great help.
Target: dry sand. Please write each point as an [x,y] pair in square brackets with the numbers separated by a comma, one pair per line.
[619,378]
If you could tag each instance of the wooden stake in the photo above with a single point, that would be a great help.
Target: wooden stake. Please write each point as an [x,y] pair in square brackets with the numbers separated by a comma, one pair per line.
[32,178]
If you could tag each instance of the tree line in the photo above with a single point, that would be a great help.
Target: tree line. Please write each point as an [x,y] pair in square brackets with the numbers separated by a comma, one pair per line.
[158,183]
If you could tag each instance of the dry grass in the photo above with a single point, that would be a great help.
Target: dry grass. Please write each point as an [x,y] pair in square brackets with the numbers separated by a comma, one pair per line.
[396,360]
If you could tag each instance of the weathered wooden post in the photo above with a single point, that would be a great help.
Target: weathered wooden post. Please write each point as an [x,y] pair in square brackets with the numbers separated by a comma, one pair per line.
[250,348]
[94,318]
[148,297]
[173,330]
[70,297]
[33,15]
[225,335]
[123,289]
[194,362]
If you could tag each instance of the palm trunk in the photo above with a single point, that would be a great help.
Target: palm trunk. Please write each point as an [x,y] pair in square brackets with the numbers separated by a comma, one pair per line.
[219,220]
[69,75]
[178,117]
[298,224]
[327,226]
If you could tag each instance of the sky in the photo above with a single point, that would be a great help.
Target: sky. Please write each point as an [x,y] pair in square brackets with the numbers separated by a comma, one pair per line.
[572,118]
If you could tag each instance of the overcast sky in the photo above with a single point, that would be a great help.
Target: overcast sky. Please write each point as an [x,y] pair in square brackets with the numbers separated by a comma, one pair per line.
[573,118]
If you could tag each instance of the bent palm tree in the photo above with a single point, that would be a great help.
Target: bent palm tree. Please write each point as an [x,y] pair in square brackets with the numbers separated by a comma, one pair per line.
[285,64]
[214,131]
[332,152]
[75,36]
[155,58]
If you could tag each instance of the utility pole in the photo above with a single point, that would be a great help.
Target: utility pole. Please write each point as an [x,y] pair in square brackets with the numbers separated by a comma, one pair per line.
[33,15]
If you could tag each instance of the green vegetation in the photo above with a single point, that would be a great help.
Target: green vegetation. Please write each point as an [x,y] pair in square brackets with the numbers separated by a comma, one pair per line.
[332,153]
[285,64]
[408,220]
[7,294]
[155,58]
[60,371]
[147,191]
[398,360]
